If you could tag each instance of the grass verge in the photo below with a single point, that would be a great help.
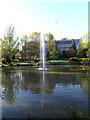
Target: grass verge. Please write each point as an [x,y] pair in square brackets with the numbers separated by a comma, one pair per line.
[58,62]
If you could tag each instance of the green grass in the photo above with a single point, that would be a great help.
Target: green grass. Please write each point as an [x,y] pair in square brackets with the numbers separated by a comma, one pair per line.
[23,63]
[50,62]
[57,62]
[4,65]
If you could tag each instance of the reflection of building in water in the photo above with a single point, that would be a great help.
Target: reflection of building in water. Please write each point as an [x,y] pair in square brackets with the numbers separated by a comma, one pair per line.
[68,79]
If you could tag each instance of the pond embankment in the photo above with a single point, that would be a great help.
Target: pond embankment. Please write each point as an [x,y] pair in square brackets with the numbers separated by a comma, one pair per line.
[71,61]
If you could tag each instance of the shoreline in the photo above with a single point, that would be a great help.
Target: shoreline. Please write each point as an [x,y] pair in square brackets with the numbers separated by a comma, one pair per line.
[37,64]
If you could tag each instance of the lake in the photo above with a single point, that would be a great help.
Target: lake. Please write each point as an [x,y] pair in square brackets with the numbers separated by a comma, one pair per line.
[28,92]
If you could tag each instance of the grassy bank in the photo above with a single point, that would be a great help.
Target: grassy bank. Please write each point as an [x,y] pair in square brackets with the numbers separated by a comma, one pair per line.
[49,62]
[24,64]
[58,62]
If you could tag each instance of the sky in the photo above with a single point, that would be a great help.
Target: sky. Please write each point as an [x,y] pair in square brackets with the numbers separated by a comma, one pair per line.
[61,18]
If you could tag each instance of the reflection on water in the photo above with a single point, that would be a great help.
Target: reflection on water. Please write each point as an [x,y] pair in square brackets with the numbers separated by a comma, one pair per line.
[27,91]
[43,88]
[0,93]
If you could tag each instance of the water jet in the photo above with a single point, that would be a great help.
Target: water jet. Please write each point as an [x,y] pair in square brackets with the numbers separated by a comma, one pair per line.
[42,65]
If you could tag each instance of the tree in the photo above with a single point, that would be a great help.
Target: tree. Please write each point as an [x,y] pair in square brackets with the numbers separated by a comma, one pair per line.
[24,40]
[83,47]
[73,45]
[86,45]
[0,51]
[72,50]
[49,36]
[88,51]
[10,44]
[33,47]
[51,48]
[54,54]
[35,36]
[80,49]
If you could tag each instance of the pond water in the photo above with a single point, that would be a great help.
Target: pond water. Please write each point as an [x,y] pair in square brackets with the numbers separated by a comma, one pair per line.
[28,92]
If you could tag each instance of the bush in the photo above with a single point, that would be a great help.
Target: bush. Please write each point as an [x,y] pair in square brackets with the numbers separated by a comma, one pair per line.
[83,59]
[19,58]
[36,60]
[74,60]
[3,61]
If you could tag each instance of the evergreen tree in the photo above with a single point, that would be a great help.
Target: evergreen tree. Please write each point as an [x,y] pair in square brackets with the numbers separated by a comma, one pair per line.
[73,45]
[72,50]
[80,49]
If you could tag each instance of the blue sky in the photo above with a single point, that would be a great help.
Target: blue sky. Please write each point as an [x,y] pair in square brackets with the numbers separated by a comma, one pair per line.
[62,19]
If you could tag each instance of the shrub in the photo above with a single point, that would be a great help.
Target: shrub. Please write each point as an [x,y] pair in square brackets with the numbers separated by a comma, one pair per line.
[83,59]
[3,61]
[74,60]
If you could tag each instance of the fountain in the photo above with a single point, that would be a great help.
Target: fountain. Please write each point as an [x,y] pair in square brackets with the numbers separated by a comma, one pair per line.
[42,54]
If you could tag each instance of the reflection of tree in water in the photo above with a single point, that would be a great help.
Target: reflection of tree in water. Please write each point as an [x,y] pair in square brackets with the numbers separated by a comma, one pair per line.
[27,80]
[84,82]
[50,83]
[70,68]
[10,82]
[34,80]
[31,82]
[13,80]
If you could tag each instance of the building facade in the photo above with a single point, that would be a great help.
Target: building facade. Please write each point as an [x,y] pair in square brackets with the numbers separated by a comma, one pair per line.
[65,44]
